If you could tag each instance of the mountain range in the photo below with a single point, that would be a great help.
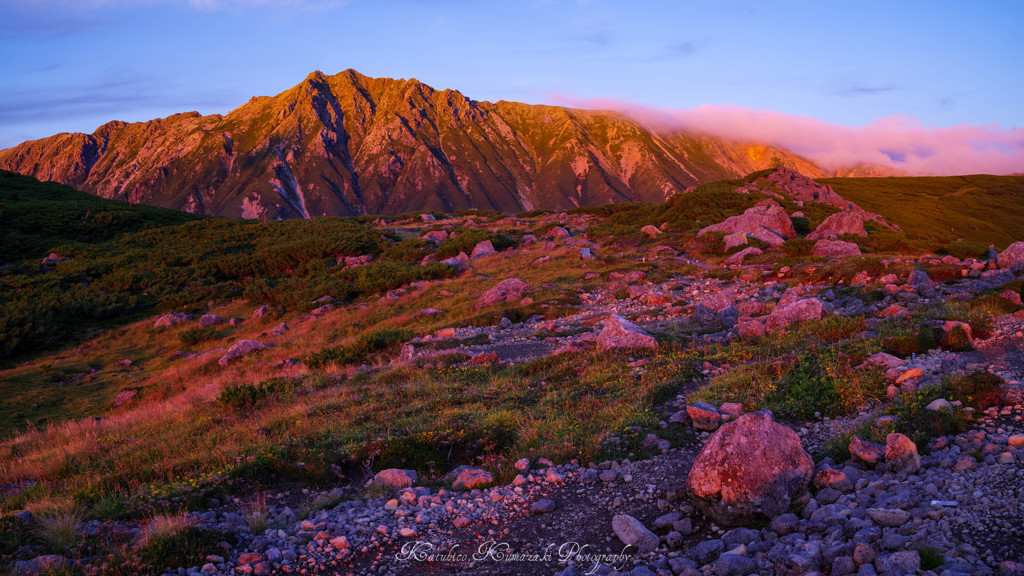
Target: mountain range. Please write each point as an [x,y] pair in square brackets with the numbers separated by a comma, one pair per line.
[349,144]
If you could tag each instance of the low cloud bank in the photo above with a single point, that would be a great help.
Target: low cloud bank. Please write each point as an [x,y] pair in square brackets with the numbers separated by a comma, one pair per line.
[900,142]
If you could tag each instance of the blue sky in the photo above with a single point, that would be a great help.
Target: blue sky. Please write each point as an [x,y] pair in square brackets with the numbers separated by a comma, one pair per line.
[71,65]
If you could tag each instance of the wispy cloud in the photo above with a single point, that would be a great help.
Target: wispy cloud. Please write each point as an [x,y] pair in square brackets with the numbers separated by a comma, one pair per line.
[855,90]
[114,94]
[899,141]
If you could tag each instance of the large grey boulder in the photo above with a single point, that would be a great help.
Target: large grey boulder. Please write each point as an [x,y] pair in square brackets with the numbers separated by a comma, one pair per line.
[750,468]
[901,454]
[845,222]
[621,333]
[239,350]
[508,290]
[767,220]
[716,310]
[394,478]
[784,315]
[1011,257]
[835,249]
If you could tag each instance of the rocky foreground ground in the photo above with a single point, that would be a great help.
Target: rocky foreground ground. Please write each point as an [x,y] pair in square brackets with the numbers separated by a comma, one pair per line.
[727,493]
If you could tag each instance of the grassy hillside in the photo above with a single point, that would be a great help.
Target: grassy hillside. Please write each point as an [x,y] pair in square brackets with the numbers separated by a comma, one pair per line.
[40,216]
[980,209]
[124,262]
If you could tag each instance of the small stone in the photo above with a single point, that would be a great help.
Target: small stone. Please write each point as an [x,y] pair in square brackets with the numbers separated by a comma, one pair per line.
[632,532]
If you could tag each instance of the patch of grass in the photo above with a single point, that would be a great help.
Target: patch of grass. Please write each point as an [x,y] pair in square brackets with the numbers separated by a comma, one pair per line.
[170,543]
[905,336]
[978,389]
[964,250]
[367,344]
[931,557]
[467,238]
[797,247]
[197,335]
[817,379]
[801,225]
[253,394]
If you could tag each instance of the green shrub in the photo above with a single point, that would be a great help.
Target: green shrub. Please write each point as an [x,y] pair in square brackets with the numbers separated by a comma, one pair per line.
[904,336]
[920,424]
[189,547]
[252,394]
[964,250]
[196,335]
[713,243]
[957,340]
[367,344]
[931,557]
[977,389]
[797,247]
[801,225]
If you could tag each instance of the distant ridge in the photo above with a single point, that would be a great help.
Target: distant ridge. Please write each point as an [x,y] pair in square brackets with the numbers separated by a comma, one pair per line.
[349,144]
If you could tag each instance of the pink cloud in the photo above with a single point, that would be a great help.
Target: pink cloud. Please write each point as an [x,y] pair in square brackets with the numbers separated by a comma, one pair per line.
[901,142]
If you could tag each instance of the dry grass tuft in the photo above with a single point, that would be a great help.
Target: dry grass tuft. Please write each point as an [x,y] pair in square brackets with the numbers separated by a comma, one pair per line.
[164,527]
[256,513]
[60,528]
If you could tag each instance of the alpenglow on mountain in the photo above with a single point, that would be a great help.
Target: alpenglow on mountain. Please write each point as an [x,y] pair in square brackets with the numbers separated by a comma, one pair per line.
[349,144]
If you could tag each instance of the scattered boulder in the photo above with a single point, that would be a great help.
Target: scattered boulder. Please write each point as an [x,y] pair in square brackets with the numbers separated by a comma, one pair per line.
[919,279]
[938,405]
[482,249]
[543,506]
[889,517]
[621,333]
[765,216]
[436,236]
[750,328]
[845,222]
[458,262]
[738,257]
[238,350]
[835,249]
[716,310]
[208,320]
[784,315]
[652,231]
[900,562]
[1011,296]
[867,452]
[471,478]
[41,565]
[834,479]
[901,454]
[509,290]
[704,416]
[1012,257]
[260,312]
[168,320]
[632,532]
[751,467]
[124,396]
[558,233]
[395,479]
[956,335]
